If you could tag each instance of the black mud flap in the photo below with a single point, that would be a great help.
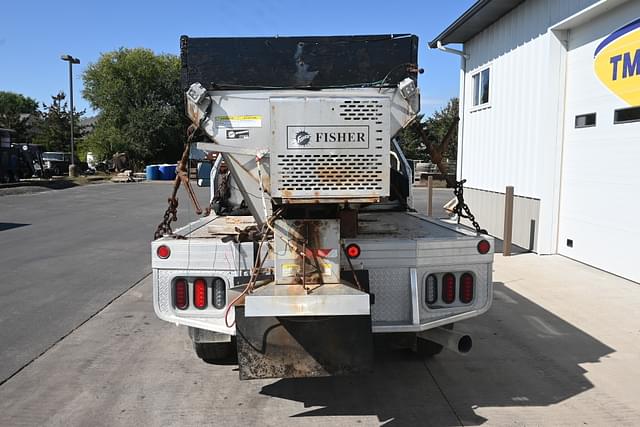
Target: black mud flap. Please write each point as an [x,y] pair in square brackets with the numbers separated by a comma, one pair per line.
[308,346]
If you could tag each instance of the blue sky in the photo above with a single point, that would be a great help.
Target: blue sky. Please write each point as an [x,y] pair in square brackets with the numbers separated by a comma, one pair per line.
[34,34]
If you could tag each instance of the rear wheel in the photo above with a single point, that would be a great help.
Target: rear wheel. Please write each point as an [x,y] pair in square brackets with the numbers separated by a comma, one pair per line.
[216,352]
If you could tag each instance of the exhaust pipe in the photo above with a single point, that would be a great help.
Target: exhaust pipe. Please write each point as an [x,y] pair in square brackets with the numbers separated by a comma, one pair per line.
[449,339]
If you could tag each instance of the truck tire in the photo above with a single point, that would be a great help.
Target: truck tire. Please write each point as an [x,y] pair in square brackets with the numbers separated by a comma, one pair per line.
[216,352]
[426,348]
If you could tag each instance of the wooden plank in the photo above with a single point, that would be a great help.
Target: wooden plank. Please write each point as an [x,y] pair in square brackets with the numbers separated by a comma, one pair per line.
[228,224]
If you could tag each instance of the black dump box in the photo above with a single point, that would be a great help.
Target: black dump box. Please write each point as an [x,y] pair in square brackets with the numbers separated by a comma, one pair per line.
[298,62]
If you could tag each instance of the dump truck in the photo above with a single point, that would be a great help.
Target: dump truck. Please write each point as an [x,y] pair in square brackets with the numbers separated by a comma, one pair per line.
[310,248]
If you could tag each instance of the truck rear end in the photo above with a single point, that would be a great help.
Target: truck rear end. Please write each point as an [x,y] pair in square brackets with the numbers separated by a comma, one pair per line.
[332,251]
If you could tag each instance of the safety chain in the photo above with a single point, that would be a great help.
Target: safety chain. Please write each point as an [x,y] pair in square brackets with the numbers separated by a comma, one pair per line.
[171,214]
[462,206]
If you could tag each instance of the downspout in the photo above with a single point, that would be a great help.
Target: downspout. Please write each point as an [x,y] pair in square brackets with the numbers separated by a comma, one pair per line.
[441,47]
[461,102]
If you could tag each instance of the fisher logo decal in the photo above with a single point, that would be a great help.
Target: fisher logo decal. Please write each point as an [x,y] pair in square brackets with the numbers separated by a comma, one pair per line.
[617,62]
[302,138]
[332,137]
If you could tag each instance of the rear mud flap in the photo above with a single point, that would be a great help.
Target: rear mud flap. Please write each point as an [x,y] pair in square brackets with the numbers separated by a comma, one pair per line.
[308,346]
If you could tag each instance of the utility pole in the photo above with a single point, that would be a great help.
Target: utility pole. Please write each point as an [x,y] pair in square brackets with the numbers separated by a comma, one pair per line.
[71,60]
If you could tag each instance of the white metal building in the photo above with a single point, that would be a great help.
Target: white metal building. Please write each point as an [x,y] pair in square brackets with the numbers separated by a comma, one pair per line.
[550,103]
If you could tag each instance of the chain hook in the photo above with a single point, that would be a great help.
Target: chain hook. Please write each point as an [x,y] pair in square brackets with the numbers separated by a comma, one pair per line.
[461,206]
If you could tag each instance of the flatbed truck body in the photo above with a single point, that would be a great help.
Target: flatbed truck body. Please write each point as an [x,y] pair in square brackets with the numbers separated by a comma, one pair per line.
[313,246]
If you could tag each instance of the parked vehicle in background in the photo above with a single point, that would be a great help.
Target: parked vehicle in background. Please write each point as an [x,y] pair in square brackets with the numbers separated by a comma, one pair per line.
[19,161]
[30,161]
[57,162]
[423,170]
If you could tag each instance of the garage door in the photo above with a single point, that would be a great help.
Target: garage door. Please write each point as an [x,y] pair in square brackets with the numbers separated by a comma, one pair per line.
[600,194]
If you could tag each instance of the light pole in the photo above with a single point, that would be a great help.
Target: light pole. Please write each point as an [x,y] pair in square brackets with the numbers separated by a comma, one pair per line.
[71,60]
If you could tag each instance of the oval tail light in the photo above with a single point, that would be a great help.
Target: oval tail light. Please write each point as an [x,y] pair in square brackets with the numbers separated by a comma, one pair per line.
[200,293]
[448,288]
[219,293]
[466,288]
[431,291]
[181,294]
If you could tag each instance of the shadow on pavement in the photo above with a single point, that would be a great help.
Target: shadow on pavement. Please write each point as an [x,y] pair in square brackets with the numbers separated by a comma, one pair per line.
[28,187]
[9,225]
[523,355]
[56,184]
[515,249]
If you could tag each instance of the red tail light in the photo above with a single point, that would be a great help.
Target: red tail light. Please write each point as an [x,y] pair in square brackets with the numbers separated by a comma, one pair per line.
[448,288]
[353,250]
[181,294]
[163,251]
[483,246]
[466,288]
[200,293]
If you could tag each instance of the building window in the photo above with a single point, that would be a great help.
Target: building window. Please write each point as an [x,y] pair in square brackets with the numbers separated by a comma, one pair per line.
[481,87]
[626,115]
[586,120]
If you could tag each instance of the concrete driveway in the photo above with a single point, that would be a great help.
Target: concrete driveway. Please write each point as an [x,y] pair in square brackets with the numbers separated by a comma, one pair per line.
[559,347]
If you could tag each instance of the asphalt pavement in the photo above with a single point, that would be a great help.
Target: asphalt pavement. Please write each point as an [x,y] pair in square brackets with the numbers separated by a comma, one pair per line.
[65,254]
[440,197]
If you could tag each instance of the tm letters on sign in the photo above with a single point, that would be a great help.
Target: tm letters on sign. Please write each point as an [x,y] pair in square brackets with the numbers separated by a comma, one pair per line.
[617,62]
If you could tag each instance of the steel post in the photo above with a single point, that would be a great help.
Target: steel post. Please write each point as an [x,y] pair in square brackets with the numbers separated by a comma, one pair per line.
[508,221]
[71,106]
[430,196]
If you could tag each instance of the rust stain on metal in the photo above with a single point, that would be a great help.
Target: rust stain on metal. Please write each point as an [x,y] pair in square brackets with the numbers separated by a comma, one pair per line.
[266,184]
[194,113]
[305,241]
[339,200]
[287,193]
[336,176]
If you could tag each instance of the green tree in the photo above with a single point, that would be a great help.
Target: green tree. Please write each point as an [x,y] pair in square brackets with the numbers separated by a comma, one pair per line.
[435,128]
[140,104]
[439,123]
[54,125]
[17,112]
[103,141]
[411,142]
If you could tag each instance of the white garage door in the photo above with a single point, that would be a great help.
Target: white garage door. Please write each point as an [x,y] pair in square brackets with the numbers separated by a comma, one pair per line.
[600,194]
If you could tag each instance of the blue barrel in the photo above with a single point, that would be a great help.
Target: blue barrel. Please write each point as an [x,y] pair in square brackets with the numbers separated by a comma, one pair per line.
[167,172]
[153,172]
